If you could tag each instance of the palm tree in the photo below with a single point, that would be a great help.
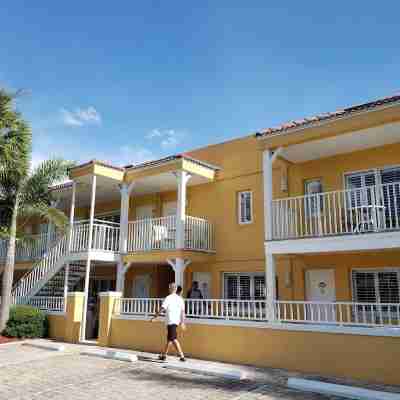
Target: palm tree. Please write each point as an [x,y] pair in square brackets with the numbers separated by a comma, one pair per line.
[24,192]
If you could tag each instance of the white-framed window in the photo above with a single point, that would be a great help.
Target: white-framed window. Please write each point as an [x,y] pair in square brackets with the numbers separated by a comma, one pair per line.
[376,285]
[387,194]
[244,286]
[245,207]
[313,203]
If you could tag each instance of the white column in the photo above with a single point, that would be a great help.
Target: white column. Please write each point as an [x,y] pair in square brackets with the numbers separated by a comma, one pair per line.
[123,226]
[270,275]
[182,178]
[179,265]
[71,225]
[87,275]
[121,270]
[267,175]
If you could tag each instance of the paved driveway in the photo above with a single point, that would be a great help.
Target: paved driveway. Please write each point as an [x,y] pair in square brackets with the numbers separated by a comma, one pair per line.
[31,373]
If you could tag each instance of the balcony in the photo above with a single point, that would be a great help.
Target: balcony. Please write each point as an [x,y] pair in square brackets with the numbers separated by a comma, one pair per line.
[33,248]
[369,209]
[151,234]
[294,313]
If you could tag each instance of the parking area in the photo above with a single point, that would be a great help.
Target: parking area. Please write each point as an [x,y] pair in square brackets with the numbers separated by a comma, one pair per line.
[31,373]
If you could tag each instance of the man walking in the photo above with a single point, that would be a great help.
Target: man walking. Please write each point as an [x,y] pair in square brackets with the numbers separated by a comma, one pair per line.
[174,308]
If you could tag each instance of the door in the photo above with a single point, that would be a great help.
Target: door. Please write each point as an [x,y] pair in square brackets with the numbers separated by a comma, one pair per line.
[141,286]
[320,288]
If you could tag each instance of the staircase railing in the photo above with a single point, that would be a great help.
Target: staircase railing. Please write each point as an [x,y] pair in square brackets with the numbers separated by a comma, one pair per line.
[105,238]
[41,272]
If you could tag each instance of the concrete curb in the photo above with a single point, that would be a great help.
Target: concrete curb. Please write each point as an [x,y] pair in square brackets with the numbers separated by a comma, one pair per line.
[348,392]
[13,342]
[232,374]
[110,354]
[46,346]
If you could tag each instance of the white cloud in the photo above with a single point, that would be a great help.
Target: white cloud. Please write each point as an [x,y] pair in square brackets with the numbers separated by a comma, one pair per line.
[132,155]
[81,116]
[169,138]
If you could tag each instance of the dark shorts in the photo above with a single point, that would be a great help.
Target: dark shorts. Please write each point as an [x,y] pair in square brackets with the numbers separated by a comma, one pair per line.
[171,332]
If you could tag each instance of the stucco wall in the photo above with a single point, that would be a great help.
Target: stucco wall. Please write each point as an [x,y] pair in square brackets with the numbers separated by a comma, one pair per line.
[291,270]
[57,326]
[354,356]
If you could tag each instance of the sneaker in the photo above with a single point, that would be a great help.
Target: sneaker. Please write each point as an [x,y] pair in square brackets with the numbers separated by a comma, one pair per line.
[162,357]
[183,359]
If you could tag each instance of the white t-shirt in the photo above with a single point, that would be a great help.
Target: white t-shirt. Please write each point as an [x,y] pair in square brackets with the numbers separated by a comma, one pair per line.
[173,306]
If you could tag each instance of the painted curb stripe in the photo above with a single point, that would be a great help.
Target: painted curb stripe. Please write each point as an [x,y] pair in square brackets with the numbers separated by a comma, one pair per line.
[348,392]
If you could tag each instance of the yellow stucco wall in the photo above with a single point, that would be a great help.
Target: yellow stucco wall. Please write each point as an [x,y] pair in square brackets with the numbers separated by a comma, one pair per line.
[332,169]
[312,352]
[342,263]
[57,326]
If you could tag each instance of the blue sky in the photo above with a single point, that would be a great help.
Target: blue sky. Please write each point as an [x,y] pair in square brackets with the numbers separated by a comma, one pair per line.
[130,81]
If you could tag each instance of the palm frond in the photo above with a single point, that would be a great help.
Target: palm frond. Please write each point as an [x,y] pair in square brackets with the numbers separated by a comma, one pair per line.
[42,210]
[48,173]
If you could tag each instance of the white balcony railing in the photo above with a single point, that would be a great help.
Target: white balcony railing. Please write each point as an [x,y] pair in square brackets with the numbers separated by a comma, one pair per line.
[249,310]
[52,304]
[352,211]
[339,313]
[160,234]
[32,249]
[105,237]
[303,312]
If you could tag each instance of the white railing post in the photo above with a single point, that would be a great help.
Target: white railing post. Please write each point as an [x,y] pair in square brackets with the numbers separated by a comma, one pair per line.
[270,279]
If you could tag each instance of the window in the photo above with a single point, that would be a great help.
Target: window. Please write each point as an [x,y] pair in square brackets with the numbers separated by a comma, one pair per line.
[376,286]
[311,188]
[245,205]
[386,195]
[244,286]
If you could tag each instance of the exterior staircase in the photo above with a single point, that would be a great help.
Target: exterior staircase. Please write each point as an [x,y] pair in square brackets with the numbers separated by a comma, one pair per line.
[42,272]
[55,286]
[46,277]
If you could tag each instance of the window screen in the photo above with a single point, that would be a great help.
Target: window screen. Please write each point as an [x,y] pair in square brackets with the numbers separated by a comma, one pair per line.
[245,207]
[376,286]
[244,286]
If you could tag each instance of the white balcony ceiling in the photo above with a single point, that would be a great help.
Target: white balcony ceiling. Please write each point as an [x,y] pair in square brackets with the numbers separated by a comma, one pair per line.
[107,190]
[346,143]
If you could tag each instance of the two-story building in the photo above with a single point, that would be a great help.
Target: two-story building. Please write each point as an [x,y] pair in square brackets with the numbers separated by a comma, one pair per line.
[293,228]
[191,217]
[332,215]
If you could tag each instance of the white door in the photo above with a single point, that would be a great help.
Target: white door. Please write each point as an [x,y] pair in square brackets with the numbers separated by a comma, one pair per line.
[169,208]
[204,279]
[141,286]
[145,211]
[320,287]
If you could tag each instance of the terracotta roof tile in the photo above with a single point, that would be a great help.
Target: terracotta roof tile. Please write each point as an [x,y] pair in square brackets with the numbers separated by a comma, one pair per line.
[309,121]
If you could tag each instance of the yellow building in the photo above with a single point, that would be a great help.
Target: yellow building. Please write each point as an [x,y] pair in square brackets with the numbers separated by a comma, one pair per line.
[297,224]
[332,208]
[191,217]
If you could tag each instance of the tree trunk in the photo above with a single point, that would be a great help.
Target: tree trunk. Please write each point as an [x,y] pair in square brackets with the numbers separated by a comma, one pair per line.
[8,273]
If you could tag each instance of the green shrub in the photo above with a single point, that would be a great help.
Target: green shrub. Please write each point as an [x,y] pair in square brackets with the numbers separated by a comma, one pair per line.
[26,322]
